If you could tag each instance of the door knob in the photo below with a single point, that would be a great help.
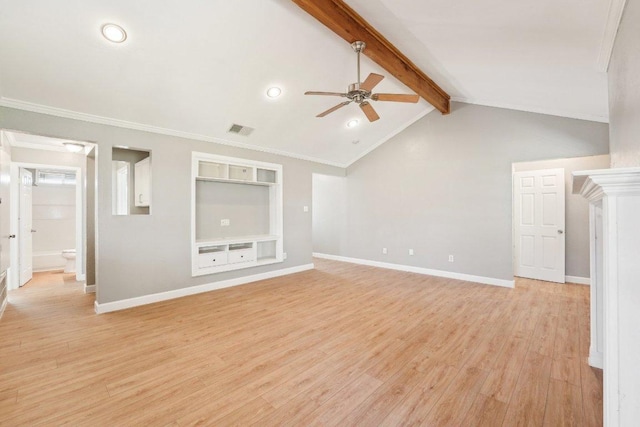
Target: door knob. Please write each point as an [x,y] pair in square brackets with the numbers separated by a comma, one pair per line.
[33,231]
[560,231]
[12,236]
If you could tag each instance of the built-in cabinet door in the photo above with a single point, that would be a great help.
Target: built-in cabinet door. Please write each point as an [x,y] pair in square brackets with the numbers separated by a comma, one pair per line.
[142,182]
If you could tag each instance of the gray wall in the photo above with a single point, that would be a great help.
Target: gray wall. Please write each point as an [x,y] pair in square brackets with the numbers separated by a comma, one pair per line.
[144,254]
[443,186]
[624,90]
[329,214]
[245,206]
[576,209]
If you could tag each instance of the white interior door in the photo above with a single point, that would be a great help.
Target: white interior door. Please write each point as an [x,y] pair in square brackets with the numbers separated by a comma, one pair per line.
[539,224]
[26,223]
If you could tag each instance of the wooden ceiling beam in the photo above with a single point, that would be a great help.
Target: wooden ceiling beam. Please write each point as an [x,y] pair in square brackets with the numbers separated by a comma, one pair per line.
[345,22]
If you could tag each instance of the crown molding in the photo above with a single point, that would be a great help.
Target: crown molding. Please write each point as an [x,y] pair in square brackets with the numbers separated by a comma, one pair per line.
[8,138]
[614,16]
[532,109]
[69,114]
[595,184]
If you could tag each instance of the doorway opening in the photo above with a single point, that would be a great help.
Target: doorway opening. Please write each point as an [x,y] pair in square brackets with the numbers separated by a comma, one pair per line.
[51,208]
[550,224]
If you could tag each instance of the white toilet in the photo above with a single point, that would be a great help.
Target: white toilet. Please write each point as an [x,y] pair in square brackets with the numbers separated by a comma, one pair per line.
[70,256]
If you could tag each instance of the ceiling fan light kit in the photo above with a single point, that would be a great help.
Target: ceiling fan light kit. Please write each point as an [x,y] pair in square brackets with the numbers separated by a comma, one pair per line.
[360,92]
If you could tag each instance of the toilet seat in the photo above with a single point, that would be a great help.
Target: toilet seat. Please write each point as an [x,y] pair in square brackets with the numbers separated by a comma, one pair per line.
[70,256]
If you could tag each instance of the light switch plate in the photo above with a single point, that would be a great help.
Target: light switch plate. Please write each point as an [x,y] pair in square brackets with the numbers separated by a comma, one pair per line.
[225,222]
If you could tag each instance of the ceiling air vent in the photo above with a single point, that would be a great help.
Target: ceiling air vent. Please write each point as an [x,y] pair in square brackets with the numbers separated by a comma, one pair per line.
[241,130]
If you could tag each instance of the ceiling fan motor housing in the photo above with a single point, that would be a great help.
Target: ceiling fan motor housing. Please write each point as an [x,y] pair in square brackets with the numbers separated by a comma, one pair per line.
[356,94]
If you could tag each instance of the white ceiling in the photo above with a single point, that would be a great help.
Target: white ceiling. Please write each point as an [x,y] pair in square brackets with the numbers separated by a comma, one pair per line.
[531,55]
[192,68]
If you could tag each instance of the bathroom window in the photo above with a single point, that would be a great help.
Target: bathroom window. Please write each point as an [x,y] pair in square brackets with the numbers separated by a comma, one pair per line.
[51,177]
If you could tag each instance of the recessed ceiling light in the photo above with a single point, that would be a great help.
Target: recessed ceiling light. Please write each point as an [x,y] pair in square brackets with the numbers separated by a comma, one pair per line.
[73,147]
[114,33]
[274,92]
[352,123]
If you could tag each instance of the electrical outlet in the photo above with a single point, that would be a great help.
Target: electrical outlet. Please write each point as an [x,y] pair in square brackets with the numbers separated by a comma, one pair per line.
[450,258]
[384,251]
[284,255]
[410,251]
[305,209]
[225,222]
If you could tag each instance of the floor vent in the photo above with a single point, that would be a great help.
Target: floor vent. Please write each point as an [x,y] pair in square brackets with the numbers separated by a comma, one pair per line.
[241,130]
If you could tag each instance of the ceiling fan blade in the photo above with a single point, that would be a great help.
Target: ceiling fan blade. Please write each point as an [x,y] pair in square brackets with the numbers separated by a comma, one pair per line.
[372,81]
[369,111]
[395,97]
[310,92]
[332,109]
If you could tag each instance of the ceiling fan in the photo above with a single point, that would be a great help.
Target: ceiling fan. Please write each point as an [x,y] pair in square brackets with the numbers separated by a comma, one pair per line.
[360,93]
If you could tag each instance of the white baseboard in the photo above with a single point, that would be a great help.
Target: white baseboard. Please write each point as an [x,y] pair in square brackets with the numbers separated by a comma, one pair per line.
[578,280]
[596,359]
[192,290]
[420,270]
[48,270]
[89,289]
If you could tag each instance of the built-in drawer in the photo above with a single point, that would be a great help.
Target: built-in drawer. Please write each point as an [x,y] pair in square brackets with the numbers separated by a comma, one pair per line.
[210,256]
[241,255]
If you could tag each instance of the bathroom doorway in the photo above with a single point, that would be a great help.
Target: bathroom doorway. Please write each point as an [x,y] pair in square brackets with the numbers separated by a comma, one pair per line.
[48,207]
[49,216]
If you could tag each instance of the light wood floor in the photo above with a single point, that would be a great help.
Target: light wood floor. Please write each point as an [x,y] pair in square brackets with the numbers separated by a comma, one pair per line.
[340,345]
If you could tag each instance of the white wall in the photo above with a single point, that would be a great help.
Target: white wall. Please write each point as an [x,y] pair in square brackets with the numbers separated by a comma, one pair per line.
[54,219]
[624,90]
[576,209]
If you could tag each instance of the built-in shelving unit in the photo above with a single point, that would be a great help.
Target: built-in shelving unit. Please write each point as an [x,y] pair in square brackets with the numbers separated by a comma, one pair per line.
[236,213]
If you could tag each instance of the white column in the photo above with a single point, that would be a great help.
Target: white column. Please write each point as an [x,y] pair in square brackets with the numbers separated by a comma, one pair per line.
[615,279]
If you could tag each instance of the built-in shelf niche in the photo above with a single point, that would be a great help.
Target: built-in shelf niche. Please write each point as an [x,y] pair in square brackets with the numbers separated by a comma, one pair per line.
[236,213]
[131,181]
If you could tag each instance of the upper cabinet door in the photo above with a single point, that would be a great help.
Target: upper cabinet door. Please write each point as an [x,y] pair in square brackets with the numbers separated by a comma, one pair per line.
[142,183]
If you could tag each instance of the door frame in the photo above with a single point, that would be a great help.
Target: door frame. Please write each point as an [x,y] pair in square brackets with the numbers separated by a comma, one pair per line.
[23,235]
[14,280]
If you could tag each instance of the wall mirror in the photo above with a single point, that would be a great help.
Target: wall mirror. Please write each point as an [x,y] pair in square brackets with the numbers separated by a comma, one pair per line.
[130,181]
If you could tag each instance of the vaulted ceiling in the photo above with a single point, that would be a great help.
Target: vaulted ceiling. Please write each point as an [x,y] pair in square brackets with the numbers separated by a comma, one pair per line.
[193,68]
